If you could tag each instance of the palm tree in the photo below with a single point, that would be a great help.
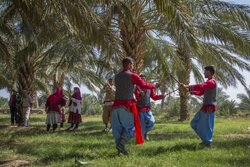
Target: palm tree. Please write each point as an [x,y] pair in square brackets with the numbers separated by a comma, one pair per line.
[221,97]
[44,40]
[74,62]
[245,100]
[158,63]
[191,38]
[201,42]
[134,22]
[225,106]
[190,42]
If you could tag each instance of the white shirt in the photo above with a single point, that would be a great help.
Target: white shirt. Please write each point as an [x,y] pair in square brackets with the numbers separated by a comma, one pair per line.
[75,108]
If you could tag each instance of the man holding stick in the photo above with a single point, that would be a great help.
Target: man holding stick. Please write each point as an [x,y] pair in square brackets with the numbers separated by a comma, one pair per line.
[203,121]
[125,118]
[144,107]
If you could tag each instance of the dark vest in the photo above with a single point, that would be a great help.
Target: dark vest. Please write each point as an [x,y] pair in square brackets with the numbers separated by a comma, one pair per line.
[124,86]
[210,96]
[145,99]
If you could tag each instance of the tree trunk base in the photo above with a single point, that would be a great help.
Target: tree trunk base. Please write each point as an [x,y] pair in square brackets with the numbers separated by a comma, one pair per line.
[184,117]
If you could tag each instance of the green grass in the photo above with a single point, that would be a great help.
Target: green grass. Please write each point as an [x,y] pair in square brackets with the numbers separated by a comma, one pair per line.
[172,144]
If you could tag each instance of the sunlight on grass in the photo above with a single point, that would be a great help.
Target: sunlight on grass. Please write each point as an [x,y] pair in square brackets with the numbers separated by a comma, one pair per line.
[172,144]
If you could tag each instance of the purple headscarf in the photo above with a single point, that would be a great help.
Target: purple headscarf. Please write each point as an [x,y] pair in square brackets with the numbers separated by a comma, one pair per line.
[77,94]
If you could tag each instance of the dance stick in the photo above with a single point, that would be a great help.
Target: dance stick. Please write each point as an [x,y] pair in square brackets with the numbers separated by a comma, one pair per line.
[171,92]
[175,79]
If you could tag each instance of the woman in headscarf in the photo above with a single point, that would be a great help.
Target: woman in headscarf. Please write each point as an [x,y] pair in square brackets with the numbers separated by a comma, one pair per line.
[53,108]
[75,109]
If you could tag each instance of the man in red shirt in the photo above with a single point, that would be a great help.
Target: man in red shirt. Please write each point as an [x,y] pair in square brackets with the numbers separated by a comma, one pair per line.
[13,107]
[125,118]
[203,121]
[144,107]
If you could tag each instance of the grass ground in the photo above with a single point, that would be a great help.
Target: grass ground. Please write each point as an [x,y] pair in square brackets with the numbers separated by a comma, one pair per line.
[172,144]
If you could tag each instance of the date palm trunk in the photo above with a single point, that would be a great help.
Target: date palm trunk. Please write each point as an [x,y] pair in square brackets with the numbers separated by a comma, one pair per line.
[58,78]
[184,77]
[133,35]
[163,91]
[25,77]
[36,103]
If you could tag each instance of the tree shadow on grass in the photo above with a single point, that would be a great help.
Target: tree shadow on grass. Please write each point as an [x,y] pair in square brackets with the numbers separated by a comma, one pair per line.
[155,151]
[84,151]
[176,122]
[92,128]
[226,144]
[172,135]
[37,119]
[232,161]
[36,131]
[5,122]
[58,156]
[92,123]
[231,143]
[4,126]
[96,133]
[28,132]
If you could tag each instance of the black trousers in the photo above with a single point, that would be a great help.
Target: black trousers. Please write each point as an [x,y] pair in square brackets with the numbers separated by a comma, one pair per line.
[13,115]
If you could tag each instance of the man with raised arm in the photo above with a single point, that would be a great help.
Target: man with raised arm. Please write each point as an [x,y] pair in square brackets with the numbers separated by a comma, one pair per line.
[144,107]
[203,121]
[125,118]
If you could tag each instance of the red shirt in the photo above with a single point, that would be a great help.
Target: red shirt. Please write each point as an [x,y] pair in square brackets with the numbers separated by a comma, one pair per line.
[54,105]
[13,101]
[136,79]
[130,105]
[153,95]
[199,89]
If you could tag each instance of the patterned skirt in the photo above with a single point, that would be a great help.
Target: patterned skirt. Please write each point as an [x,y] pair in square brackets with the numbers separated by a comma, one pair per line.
[74,118]
[53,118]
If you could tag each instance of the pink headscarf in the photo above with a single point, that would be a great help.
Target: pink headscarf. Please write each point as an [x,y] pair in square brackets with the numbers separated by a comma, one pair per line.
[77,94]
[57,96]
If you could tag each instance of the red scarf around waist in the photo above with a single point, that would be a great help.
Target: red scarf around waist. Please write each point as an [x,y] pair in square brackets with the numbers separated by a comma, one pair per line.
[208,108]
[131,106]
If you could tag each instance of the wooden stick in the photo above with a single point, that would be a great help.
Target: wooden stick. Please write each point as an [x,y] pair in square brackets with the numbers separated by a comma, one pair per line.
[175,79]
[171,92]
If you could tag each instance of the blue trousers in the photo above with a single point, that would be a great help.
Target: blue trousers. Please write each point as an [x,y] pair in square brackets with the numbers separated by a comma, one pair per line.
[122,124]
[203,125]
[147,121]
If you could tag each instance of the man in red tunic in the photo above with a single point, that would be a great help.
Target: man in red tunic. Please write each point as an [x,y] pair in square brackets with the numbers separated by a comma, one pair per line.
[144,107]
[125,118]
[13,107]
[203,121]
